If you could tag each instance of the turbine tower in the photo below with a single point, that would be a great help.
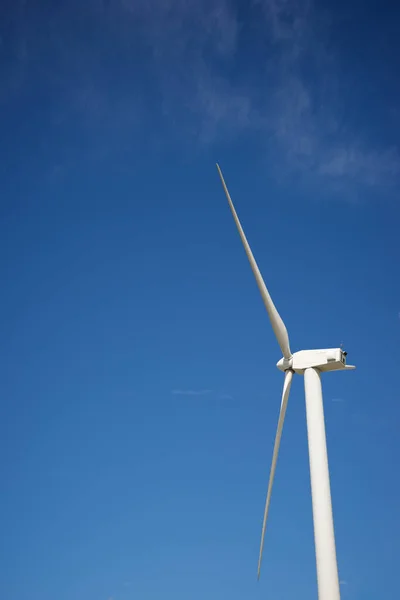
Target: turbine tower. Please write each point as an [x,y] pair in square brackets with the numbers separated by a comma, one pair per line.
[310,363]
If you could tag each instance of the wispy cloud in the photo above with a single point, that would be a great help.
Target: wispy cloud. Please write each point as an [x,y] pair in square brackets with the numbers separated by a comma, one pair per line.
[307,112]
[289,90]
[202,392]
[191,392]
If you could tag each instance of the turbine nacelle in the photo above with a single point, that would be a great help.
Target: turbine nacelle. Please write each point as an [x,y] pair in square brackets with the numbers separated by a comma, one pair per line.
[329,359]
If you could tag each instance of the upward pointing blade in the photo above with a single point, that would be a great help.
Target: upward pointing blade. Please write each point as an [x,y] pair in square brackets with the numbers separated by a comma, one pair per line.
[285,396]
[277,324]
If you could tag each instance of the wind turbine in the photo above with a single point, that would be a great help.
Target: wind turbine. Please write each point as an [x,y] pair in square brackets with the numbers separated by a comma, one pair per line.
[310,363]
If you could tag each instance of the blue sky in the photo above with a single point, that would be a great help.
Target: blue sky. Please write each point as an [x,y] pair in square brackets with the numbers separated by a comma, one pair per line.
[139,394]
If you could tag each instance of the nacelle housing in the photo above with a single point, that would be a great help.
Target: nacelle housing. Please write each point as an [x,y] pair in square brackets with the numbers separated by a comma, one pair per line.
[328,359]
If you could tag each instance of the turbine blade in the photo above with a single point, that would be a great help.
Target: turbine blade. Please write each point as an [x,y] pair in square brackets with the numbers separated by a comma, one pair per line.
[285,396]
[277,324]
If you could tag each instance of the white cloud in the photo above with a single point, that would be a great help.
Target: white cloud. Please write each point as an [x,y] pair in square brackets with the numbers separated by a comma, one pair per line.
[202,392]
[297,115]
[191,392]
[305,114]
[191,50]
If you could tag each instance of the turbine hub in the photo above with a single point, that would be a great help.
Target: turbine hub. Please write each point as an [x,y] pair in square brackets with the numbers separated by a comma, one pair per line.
[285,363]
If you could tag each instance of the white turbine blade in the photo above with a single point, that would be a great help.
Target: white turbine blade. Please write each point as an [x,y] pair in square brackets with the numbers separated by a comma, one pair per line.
[277,324]
[285,396]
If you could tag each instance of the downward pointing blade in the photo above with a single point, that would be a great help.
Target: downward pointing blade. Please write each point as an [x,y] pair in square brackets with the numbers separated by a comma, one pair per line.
[285,396]
[277,324]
